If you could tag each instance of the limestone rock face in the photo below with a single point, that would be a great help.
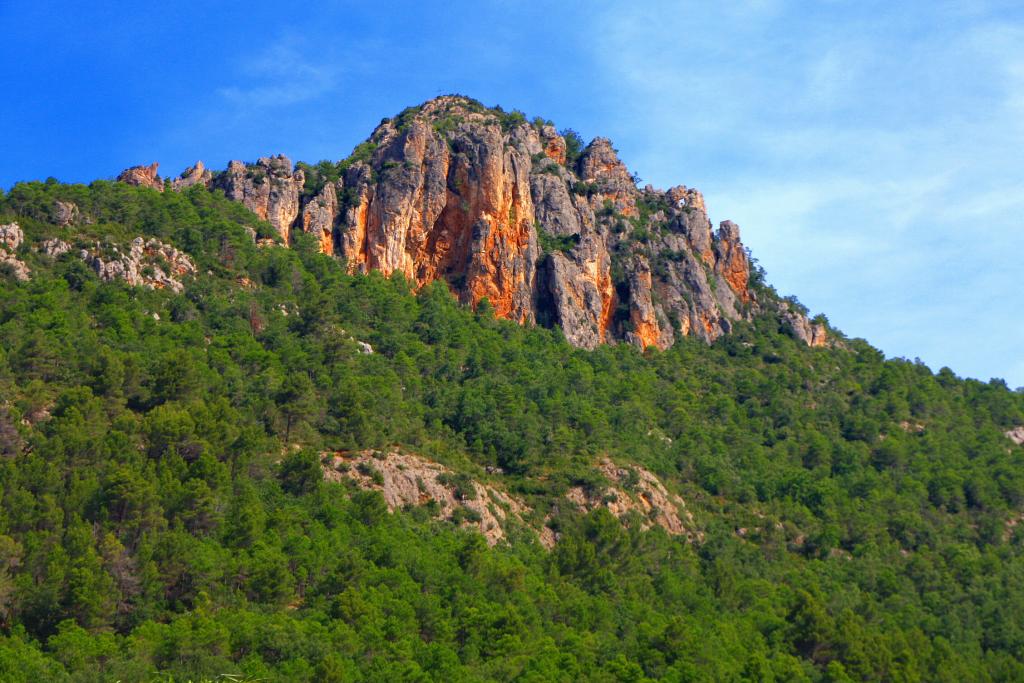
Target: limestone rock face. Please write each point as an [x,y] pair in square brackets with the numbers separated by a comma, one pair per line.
[636,490]
[352,240]
[731,260]
[66,213]
[270,189]
[11,237]
[143,176]
[645,327]
[576,281]
[600,165]
[54,247]
[489,204]
[321,214]
[409,480]
[810,333]
[16,266]
[484,201]
[148,263]
[1016,435]
[451,204]
[194,175]
[554,144]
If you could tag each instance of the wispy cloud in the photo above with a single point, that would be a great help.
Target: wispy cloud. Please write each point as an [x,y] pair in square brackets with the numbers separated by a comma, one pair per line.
[871,156]
[281,76]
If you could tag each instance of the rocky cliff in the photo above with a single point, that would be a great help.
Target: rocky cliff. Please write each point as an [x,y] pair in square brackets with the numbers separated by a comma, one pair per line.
[511,211]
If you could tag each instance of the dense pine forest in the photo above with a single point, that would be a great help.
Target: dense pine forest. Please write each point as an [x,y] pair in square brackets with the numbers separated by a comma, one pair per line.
[164,514]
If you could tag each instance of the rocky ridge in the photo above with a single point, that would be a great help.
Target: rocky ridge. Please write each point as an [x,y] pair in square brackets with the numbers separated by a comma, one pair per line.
[513,212]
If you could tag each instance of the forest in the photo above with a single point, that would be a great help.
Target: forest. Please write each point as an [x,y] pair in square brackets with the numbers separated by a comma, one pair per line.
[164,515]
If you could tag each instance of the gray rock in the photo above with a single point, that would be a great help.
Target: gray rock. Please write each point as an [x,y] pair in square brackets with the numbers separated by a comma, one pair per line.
[66,213]
[798,325]
[193,175]
[16,266]
[269,188]
[11,236]
[143,176]
[144,264]
[54,247]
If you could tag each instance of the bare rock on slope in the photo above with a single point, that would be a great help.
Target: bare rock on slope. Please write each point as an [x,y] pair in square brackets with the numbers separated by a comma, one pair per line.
[143,176]
[409,480]
[11,237]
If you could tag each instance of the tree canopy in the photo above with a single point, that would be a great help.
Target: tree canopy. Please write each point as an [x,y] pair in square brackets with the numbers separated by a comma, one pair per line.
[163,514]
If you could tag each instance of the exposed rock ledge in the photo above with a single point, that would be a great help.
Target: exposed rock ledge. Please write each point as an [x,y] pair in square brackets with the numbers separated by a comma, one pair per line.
[148,263]
[1016,435]
[637,490]
[407,480]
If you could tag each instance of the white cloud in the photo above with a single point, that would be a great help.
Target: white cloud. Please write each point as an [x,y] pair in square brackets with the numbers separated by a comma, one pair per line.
[281,76]
[872,160]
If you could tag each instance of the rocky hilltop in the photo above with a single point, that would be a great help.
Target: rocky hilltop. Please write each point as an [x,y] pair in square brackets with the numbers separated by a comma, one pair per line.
[547,230]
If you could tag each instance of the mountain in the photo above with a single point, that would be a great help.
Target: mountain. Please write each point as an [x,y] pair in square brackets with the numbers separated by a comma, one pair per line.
[548,231]
[464,408]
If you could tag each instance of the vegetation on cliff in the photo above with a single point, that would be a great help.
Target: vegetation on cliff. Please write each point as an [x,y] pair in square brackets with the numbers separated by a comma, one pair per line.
[164,515]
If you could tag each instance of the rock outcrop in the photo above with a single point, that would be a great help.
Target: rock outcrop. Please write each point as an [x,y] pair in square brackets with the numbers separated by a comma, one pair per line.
[486,202]
[143,176]
[321,214]
[148,263]
[407,480]
[636,490]
[498,209]
[66,213]
[1016,435]
[811,333]
[11,237]
[451,204]
[194,175]
[270,188]
[54,247]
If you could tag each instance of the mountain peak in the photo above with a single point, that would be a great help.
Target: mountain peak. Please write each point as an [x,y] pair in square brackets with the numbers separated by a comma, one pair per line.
[547,230]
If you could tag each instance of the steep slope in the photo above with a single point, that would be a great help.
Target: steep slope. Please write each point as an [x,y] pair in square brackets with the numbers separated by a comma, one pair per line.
[507,210]
[225,460]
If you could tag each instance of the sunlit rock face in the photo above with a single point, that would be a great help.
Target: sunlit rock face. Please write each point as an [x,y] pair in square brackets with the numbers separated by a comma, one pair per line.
[507,210]
[270,188]
[143,176]
[492,205]
[320,216]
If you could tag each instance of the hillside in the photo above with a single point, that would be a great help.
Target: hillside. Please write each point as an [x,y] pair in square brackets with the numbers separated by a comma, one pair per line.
[242,434]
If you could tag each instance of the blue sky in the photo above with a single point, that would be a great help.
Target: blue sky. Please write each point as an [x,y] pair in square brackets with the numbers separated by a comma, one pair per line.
[870,151]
